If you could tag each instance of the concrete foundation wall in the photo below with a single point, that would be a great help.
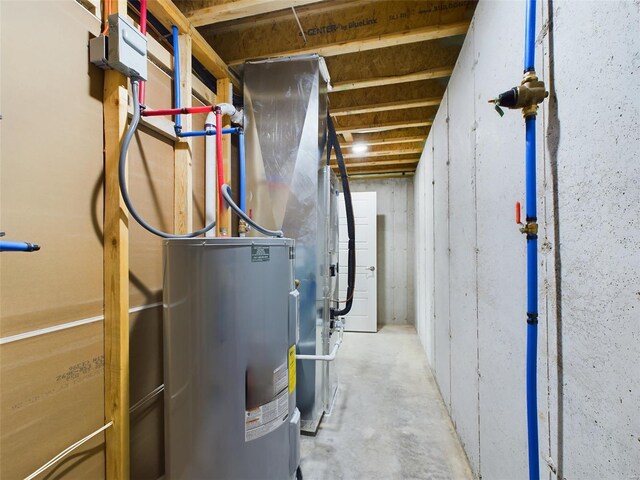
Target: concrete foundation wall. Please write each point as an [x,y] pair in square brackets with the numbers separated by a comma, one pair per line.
[396,301]
[470,264]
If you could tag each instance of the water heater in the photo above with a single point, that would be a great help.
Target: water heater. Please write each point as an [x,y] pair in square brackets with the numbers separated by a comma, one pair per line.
[230,330]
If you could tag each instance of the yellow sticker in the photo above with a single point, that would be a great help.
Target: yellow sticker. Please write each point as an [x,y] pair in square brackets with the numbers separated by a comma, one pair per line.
[292,369]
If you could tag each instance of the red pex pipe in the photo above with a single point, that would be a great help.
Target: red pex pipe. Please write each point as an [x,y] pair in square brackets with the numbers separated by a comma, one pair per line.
[176,111]
[143,31]
[219,163]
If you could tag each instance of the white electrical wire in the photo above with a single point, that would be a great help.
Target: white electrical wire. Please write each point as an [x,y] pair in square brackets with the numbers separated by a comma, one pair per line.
[66,451]
[147,398]
[304,37]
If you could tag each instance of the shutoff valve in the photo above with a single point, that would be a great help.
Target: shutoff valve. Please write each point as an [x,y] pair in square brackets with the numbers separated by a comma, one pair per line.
[526,96]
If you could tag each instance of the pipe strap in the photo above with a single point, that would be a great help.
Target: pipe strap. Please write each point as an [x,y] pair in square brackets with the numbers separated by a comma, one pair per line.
[532,318]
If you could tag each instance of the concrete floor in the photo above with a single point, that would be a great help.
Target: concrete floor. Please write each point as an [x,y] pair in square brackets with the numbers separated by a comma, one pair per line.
[389,421]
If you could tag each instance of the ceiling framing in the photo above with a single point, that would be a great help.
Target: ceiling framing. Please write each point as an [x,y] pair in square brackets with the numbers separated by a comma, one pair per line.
[389,62]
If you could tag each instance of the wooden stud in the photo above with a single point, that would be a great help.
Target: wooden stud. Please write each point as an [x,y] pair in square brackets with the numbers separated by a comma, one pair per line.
[183,174]
[223,226]
[383,127]
[431,32]
[116,276]
[439,72]
[384,107]
[347,136]
[241,9]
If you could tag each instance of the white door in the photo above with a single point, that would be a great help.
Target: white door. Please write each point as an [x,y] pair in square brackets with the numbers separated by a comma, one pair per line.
[364,312]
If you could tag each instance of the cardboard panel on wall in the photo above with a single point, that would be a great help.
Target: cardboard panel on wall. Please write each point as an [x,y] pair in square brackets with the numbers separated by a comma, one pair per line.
[52,395]
[51,182]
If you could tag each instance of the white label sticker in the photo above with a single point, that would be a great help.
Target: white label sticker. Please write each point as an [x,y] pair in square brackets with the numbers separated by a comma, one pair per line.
[280,378]
[266,418]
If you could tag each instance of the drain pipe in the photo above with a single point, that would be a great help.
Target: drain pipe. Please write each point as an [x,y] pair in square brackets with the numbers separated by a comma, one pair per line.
[527,96]
[326,358]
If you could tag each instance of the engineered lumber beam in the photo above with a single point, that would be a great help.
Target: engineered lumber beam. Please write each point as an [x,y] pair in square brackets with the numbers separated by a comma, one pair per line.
[223,226]
[385,107]
[431,32]
[241,9]
[116,276]
[383,127]
[439,72]
[183,161]
[168,14]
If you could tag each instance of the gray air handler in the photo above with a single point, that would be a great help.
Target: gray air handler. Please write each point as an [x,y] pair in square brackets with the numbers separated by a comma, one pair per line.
[230,329]
[290,187]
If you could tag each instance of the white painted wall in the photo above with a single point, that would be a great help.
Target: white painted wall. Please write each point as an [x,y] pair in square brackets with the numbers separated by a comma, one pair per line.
[470,264]
[396,300]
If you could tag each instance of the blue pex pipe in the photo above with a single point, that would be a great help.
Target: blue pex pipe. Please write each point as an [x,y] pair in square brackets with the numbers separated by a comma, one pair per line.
[530,37]
[176,75]
[242,170]
[532,257]
[210,132]
[17,246]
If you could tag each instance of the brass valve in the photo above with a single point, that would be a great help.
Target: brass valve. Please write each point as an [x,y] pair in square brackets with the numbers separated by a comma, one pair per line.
[527,96]
[530,228]
[243,228]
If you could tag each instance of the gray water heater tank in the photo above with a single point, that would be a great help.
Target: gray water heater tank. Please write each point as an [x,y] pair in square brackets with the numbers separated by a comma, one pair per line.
[230,330]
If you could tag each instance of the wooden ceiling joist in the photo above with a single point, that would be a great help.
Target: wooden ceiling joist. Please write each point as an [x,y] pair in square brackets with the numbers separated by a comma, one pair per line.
[168,14]
[383,127]
[381,153]
[384,169]
[439,72]
[241,9]
[404,37]
[384,107]
[388,163]
[385,141]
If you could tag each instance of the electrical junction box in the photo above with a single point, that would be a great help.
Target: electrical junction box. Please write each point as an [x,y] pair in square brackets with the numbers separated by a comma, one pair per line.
[127,48]
[124,50]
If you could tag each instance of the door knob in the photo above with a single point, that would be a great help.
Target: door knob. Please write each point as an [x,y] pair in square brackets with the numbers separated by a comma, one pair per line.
[372,268]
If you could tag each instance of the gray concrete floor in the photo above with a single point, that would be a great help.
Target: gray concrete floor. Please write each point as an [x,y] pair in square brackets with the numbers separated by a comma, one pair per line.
[388,421]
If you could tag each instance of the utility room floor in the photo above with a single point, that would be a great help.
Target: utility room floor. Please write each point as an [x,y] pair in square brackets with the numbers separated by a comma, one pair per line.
[389,421]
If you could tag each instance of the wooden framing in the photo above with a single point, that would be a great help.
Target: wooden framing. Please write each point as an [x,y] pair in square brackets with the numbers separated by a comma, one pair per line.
[241,9]
[183,174]
[383,127]
[385,107]
[385,141]
[223,226]
[404,37]
[381,153]
[439,72]
[168,14]
[379,163]
[116,277]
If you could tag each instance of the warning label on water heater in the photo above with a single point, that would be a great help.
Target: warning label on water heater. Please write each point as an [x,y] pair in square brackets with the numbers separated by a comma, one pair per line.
[266,418]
